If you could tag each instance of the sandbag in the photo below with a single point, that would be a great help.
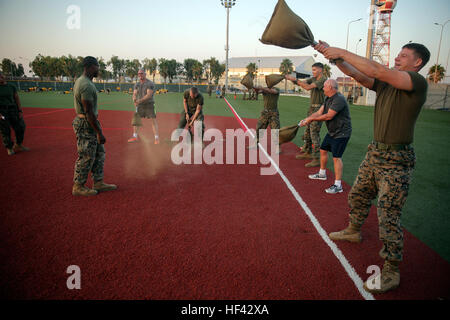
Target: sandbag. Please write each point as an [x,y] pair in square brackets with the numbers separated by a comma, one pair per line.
[247,81]
[287,134]
[286,29]
[273,79]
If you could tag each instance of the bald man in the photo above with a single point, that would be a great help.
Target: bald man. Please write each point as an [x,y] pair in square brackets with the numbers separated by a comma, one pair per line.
[335,112]
[145,106]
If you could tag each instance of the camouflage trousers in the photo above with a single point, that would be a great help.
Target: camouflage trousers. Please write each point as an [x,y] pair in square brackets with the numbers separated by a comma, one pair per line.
[12,120]
[386,175]
[91,154]
[311,137]
[268,118]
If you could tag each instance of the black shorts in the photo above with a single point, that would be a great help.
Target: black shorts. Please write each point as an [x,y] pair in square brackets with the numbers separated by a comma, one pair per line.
[336,146]
[146,111]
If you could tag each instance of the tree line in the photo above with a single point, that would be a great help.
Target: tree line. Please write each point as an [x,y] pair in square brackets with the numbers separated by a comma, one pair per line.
[55,68]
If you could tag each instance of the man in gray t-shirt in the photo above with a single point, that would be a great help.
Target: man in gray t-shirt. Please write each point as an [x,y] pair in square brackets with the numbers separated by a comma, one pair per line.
[145,106]
[336,113]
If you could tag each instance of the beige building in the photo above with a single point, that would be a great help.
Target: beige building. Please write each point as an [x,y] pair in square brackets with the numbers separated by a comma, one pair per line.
[237,69]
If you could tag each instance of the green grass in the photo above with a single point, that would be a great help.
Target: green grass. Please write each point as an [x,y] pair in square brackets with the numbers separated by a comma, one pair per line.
[427,211]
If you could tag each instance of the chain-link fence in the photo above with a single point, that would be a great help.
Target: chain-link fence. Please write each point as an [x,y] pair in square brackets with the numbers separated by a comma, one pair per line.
[67,86]
[438,96]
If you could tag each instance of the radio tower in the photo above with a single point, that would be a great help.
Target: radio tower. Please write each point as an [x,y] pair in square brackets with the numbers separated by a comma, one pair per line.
[381,42]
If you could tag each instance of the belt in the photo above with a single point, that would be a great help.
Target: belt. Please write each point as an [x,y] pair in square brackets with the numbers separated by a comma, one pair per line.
[82,116]
[390,147]
[316,105]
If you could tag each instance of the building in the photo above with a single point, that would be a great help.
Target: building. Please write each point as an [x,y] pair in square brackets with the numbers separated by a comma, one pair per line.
[237,69]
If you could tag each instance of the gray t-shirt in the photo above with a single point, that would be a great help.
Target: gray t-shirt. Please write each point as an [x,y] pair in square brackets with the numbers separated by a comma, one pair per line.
[141,89]
[341,125]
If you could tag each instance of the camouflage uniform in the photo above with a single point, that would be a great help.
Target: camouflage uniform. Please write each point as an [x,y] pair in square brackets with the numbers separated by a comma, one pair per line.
[91,154]
[387,175]
[269,115]
[12,118]
[311,136]
[386,171]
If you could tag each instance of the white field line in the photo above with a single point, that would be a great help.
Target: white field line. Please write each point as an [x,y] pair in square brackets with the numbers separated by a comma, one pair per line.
[337,252]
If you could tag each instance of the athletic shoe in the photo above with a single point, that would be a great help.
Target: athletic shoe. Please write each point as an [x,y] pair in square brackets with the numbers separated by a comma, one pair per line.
[133,139]
[157,141]
[334,189]
[10,152]
[317,176]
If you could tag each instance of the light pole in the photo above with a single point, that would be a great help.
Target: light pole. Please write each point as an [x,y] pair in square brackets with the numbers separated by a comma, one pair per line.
[354,82]
[439,49]
[346,45]
[228,4]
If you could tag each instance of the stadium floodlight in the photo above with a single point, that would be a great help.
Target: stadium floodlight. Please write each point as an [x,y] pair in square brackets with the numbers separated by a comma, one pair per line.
[228,4]
[439,49]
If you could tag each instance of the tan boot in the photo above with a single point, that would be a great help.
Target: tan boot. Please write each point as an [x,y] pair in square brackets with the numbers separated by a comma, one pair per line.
[314,163]
[303,156]
[101,186]
[389,280]
[19,147]
[352,233]
[80,190]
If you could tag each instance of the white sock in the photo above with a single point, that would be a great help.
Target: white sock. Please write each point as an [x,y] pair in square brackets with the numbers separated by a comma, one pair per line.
[135,135]
[156,137]
[323,172]
[338,183]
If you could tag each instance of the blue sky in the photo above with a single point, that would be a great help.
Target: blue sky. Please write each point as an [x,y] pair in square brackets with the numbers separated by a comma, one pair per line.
[196,28]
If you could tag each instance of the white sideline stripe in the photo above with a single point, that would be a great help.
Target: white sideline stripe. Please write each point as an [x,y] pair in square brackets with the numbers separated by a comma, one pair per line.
[337,252]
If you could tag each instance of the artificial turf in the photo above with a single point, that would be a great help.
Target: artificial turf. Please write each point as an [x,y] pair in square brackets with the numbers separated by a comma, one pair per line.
[427,211]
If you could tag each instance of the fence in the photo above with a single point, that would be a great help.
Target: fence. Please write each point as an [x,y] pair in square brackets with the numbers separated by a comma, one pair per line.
[61,86]
[438,96]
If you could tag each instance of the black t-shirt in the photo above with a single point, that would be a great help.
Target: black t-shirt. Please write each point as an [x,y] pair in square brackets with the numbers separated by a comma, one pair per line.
[341,125]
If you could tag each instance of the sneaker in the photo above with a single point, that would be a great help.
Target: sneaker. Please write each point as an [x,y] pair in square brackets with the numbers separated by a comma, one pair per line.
[334,189]
[317,176]
[133,139]
[157,141]
[10,152]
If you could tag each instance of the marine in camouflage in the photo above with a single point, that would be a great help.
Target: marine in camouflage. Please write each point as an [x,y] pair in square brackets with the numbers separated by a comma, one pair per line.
[91,154]
[386,175]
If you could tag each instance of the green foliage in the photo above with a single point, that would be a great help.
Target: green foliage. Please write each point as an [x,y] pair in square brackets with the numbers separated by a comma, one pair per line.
[436,73]
[252,69]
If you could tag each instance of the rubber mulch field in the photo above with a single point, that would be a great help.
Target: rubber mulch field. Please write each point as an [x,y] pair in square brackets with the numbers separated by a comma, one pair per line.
[182,231]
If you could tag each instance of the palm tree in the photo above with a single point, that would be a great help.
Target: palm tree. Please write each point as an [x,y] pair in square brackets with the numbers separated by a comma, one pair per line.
[436,76]
[252,69]
[327,70]
[286,67]
[151,66]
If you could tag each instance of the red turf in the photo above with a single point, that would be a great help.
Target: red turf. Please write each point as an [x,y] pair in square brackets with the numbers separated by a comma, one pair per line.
[179,232]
